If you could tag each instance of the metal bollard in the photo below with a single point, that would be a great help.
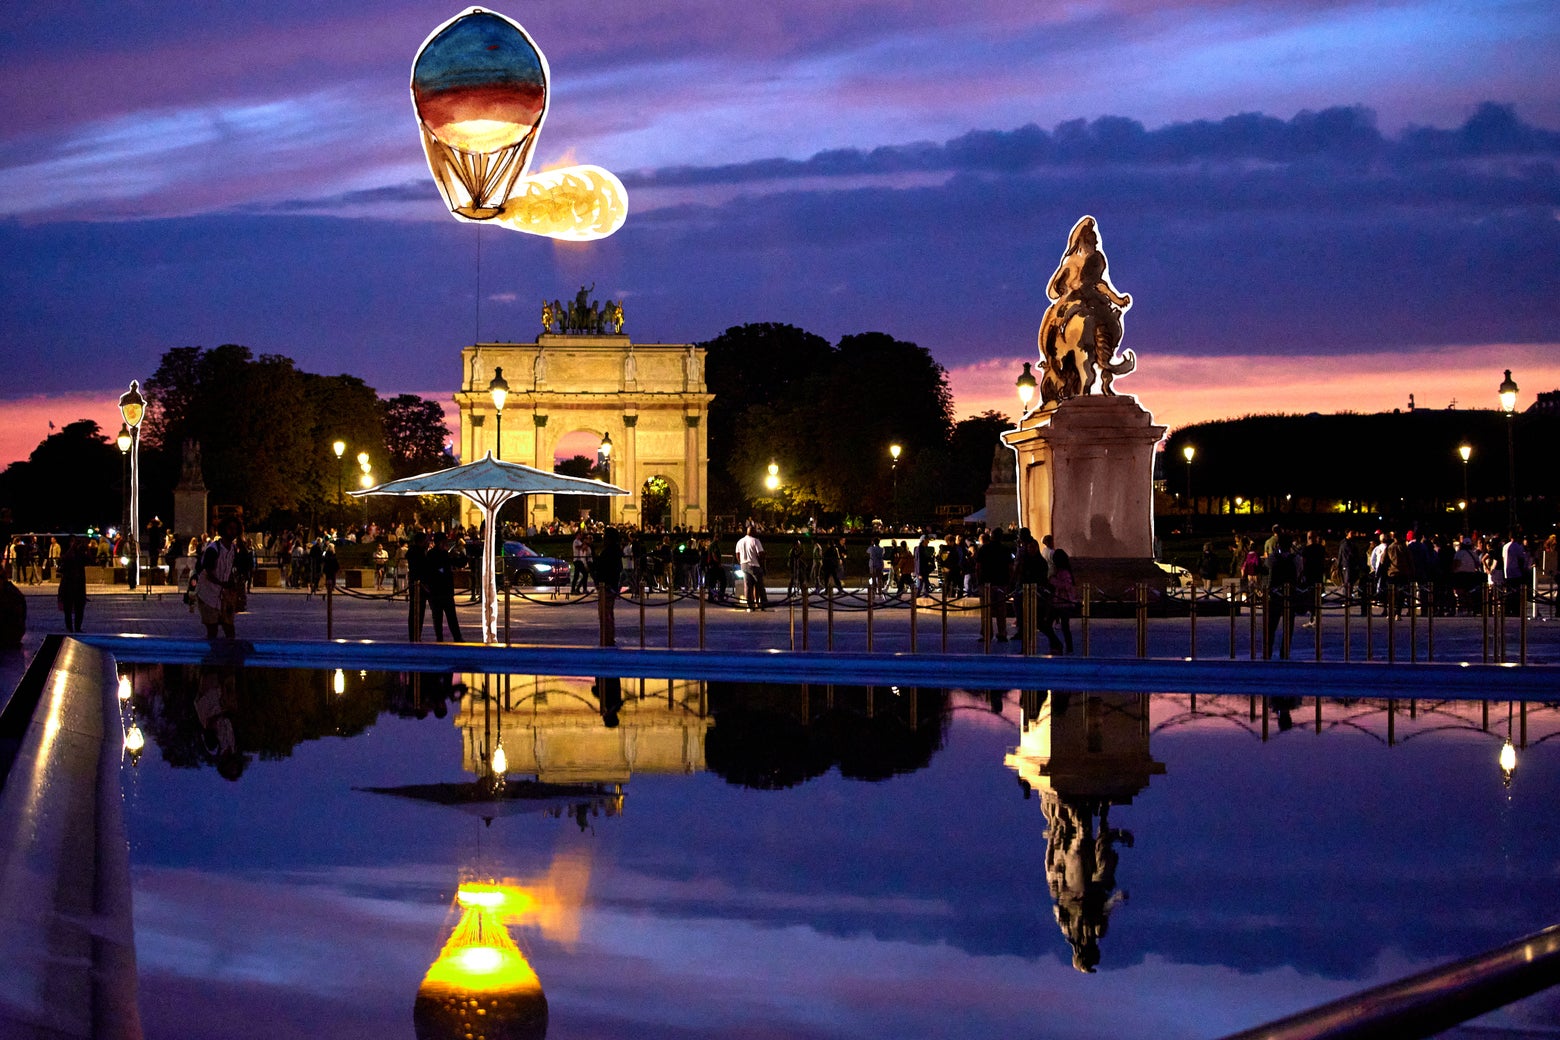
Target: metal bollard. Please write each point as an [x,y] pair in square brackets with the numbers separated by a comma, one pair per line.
[701,617]
[1194,623]
[1141,591]
[806,606]
[985,619]
[945,617]
[1392,609]
[1522,616]
[912,621]
[829,600]
[1260,602]
[330,613]
[1413,623]
[870,597]
[506,613]
[1430,624]
[1316,621]
[1088,600]
[1287,618]
[643,597]
[1234,610]
[671,598]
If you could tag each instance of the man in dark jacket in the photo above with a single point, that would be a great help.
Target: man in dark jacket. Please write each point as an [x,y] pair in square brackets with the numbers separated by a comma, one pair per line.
[439,583]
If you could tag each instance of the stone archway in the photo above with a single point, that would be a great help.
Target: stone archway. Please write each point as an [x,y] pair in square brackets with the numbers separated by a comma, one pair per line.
[649,398]
[659,501]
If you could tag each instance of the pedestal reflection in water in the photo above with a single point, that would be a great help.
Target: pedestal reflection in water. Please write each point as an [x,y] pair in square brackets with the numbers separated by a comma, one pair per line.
[654,858]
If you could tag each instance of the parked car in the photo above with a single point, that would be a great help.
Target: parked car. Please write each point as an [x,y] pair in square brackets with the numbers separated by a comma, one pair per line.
[525,566]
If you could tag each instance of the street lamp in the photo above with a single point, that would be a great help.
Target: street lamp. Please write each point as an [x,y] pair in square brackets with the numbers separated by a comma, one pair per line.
[604,454]
[365,482]
[132,406]
[499,388]
[123,440]
[1465,451]
[1189,452]
[1026,390]
[893,454]
[772,482]
[1508,404]
[340,448]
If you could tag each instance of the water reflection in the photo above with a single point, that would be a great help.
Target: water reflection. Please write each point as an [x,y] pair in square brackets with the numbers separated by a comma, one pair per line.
[482,985]
[1084,753]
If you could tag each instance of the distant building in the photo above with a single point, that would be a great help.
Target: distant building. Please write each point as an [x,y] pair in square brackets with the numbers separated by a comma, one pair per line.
[1548,403]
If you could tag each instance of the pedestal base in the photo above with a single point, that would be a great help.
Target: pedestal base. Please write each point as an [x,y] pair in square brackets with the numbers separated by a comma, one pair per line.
[1086,477]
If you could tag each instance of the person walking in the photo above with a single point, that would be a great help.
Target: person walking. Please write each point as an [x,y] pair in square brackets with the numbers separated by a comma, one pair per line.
[219,580]
[73,584]
[750,557]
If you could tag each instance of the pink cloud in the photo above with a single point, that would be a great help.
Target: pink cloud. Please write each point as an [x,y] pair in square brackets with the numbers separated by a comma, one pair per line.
[1184,390]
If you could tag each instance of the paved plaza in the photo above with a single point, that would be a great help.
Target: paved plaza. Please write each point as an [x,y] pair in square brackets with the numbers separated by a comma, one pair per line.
[294,614]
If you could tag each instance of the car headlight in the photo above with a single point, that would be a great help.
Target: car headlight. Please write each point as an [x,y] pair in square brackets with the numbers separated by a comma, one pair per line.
[542,568]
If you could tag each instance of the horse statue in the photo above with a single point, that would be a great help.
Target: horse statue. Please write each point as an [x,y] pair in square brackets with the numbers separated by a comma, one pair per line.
[1081,331]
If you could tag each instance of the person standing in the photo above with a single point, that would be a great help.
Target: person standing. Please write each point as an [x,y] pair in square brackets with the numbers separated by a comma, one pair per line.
[874,568]
[750,557]
[73,584]
[993,568]
[579,563]
[609,579]
[439,581]
[416,588]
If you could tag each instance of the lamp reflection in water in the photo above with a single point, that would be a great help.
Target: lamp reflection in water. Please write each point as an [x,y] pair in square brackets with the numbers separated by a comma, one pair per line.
[482,984]
[1084,753]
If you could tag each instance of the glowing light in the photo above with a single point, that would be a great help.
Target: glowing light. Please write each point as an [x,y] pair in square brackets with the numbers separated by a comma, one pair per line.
[338,682]
[1508,759]
[1507,391]
[135,740]
[124,687]
[500,761]
[1466,451]
[340,448]
[1190,452]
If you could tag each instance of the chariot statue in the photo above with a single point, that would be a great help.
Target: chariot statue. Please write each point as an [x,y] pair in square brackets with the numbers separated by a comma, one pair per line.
[1081,331]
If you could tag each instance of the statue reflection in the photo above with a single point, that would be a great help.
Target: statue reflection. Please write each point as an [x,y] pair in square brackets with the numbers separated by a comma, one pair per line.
[1084,754]
[482,984]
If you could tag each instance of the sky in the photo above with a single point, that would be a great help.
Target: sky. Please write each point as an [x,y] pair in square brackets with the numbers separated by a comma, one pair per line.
[1315,206]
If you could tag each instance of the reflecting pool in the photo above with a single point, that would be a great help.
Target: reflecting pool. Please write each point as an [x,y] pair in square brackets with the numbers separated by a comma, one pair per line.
[412,855]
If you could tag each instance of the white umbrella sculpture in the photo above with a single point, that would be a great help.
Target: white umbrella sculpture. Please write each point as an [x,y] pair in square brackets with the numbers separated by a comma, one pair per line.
[489,483]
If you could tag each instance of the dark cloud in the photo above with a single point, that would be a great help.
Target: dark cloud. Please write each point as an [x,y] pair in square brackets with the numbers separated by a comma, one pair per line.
[1341,136]
[1250,235]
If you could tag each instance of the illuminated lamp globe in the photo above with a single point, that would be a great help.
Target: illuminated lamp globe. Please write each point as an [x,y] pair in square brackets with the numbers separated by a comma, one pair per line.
[1026,386]
[123,440]
[1507,391]
[1465,451]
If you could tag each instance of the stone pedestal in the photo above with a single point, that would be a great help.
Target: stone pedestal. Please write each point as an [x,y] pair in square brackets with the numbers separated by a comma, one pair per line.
[1086,477]
[189,511]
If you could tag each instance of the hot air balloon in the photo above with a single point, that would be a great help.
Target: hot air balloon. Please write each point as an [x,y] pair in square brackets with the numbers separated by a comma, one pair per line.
[479,88]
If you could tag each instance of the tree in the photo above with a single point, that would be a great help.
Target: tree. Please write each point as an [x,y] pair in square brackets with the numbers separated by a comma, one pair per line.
[72,480]
[415,435]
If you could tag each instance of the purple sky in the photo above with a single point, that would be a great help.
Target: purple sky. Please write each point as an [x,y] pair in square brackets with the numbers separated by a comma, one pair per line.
[1361,197]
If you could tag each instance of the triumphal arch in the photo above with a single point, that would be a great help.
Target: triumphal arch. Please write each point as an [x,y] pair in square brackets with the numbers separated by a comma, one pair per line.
[584,376]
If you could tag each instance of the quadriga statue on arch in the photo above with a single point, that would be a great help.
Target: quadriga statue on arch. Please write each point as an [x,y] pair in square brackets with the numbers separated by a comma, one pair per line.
[1081,331]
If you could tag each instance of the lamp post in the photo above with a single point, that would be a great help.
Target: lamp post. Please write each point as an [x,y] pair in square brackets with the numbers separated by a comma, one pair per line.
[365,482]
[123,441]
[132,406]
[1465,452]
[893,465]
[604,457]
[1508,404]
[340,448]
[772,483]
[499,388]
[1189,452]
[1026,390]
